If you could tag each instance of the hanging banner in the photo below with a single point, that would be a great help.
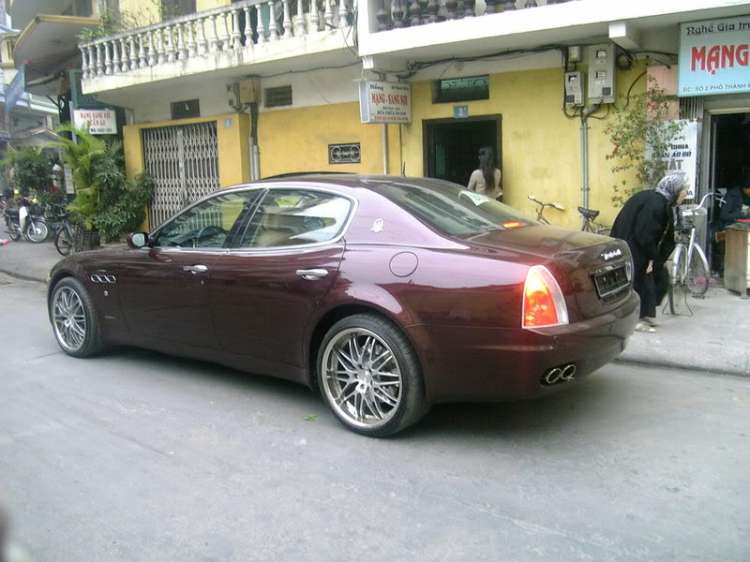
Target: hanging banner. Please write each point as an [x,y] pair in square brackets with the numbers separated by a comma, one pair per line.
[384,102]
[683,154]
[99,121]
[714,57]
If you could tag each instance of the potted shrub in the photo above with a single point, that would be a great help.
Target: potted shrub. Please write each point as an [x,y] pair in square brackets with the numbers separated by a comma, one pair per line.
[106,203]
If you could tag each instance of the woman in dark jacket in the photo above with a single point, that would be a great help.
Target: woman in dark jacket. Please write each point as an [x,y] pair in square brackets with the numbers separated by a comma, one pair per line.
[646,223]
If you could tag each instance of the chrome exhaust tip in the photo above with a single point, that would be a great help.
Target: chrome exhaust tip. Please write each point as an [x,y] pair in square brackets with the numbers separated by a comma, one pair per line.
[552,376]
[568,372]
[560,374]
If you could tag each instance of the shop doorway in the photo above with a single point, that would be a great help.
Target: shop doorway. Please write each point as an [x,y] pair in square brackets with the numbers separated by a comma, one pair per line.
[731,149]
[451,146]
[729,167]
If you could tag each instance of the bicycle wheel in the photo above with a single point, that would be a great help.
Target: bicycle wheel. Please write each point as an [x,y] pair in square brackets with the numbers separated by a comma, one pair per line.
[64,242]
[677,289]
[697,276]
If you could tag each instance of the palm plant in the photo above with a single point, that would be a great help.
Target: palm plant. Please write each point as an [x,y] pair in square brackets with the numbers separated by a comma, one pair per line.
[80,154]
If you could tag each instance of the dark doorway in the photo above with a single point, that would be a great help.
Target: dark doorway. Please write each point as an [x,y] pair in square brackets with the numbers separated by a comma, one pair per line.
[729,167]
[731,163]
[451,146]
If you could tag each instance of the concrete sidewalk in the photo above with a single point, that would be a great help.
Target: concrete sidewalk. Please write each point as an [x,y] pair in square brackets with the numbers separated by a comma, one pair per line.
[716,337]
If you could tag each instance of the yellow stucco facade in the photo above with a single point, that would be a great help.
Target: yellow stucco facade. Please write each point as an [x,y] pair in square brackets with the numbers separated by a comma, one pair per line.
[297,140]
[541,147]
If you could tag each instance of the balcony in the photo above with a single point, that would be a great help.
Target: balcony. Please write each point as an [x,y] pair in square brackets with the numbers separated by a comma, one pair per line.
[242,38]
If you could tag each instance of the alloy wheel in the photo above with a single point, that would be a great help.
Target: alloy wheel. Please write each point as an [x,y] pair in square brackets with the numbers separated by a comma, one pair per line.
[69,319]
[362,378]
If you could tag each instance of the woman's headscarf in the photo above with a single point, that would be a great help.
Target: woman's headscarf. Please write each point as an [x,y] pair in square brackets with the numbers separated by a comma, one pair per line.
[670,186]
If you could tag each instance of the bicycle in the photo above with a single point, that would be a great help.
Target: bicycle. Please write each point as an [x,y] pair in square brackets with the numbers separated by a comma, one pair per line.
[64,236]
[590,225]
[542,205]
[690,272]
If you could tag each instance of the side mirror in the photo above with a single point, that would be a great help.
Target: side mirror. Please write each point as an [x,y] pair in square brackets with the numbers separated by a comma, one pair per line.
[137,240]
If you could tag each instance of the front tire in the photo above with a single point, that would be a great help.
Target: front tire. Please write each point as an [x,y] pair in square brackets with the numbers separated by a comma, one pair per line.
[370,376]
[37,231]
[74,320]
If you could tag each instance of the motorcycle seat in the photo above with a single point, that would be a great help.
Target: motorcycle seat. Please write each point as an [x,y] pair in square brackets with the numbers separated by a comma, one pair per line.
[11,212]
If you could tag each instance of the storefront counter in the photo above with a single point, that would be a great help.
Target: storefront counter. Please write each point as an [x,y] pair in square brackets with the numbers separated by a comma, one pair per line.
[736,263]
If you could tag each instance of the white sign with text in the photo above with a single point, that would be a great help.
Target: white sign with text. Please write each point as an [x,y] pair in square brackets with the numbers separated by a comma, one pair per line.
[98,121]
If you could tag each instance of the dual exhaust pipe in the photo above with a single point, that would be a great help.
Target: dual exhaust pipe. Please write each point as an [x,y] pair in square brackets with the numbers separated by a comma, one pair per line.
[558,375]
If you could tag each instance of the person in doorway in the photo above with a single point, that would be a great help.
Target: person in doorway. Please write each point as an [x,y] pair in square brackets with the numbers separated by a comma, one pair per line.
[732,208]
[486,178]
[646,223]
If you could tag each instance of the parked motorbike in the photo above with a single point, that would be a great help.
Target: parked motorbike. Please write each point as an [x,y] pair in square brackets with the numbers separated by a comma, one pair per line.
[27,220]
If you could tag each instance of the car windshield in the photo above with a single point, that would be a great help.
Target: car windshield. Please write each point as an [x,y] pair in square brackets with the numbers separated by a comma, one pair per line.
[451,208]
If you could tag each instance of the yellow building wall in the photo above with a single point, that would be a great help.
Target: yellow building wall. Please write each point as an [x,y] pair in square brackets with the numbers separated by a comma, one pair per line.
[232,132]
[296,140]
[541,147]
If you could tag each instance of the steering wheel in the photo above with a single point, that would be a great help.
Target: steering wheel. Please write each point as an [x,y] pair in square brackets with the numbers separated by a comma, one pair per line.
[208,231]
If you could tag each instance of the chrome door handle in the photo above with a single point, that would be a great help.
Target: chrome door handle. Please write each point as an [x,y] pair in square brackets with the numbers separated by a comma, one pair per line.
[312,274]
[195,268]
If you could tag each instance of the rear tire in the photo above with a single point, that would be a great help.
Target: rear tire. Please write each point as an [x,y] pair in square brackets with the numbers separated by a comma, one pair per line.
[64,242]
[697,274]
[13,232]
[370,377]
[74,319]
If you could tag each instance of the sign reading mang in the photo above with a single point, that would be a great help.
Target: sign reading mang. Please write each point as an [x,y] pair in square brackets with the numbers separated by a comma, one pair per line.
[714,57]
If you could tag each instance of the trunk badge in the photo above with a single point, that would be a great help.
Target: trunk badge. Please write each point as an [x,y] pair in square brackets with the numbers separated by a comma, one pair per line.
[606,256]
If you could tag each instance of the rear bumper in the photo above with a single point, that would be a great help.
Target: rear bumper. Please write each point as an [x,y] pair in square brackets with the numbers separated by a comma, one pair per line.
[489,365]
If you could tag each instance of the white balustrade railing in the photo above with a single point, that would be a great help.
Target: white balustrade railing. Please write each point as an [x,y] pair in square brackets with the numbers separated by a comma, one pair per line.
[394,14]
[238,27]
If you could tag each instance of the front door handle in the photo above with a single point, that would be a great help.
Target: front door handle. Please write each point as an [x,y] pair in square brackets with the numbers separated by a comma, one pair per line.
[194,269]
[312,274]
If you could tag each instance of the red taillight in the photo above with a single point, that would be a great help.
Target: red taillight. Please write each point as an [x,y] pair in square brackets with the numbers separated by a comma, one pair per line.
[543,302]
[512,224]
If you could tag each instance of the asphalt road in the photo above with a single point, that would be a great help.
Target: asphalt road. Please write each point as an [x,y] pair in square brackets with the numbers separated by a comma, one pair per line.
[135,456]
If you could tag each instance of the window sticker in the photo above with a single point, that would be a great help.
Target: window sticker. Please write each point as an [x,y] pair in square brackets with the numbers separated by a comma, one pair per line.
[476,198]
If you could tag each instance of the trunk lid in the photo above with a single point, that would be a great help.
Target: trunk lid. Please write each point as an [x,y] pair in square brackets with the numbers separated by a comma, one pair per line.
[593,271]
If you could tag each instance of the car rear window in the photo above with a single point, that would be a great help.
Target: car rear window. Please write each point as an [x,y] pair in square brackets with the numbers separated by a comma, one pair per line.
[452,209]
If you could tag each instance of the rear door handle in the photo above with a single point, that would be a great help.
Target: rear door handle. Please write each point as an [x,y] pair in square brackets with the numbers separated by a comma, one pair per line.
[312,274]
[194,269]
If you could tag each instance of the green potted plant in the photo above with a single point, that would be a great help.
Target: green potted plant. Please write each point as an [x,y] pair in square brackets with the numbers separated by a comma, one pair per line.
[106,203]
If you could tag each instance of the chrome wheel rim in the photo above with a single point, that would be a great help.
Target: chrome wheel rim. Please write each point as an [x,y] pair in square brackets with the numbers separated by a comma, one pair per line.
[69,319]
[362,378]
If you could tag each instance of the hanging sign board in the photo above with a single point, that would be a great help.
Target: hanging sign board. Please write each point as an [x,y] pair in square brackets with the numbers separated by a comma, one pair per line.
[384,102]
[99,121]
[683,153]
[714,57]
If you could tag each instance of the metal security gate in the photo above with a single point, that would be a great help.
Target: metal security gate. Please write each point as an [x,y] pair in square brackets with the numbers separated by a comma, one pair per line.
[184,162]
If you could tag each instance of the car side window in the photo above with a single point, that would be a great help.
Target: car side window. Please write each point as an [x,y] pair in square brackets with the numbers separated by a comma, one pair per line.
[210,224]
[290,217]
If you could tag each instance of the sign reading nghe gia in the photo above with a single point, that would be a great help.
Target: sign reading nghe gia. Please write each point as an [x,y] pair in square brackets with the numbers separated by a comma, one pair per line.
[714,57]
[98,121]
[384,102]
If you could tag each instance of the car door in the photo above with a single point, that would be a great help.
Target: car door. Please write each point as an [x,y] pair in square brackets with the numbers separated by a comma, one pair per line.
[164,288]
[264,290]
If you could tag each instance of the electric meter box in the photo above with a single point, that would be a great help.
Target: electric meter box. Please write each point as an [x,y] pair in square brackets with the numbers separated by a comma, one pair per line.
[601,73]
[574,89]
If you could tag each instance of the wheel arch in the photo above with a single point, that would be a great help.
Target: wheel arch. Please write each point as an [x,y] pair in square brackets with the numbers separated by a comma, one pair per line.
[334,315]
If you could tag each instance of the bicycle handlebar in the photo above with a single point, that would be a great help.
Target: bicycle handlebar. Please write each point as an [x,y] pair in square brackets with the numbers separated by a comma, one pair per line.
[543,204]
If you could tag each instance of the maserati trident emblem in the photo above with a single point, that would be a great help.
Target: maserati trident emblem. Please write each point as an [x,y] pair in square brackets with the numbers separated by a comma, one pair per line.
[606,256]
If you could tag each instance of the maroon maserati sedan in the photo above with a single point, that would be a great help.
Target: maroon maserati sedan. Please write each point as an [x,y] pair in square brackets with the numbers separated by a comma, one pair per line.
[387,294]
